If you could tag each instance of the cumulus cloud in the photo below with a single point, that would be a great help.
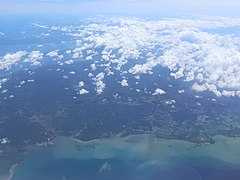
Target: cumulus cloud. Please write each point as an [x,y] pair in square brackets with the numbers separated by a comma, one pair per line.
[124,82]
[81,84]
[55,53]
[2,81]
[181,91]
[72,72]
[209,61]
[228,93]
[83,91]
[11,96]
[34,57]
[159,91]
[4,91]
[199,88]
[69,61]
[11,59]
[4,141]
[93,67]
[142,68]
[30,80]
[98,81]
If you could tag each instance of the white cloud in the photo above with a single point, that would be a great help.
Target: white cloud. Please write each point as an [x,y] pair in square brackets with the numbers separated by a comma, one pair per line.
[81,84]
[228,93]
[83,91]
[30,80]
[40,26]
[89,58]
[98,81]
[72,72]
[124,83]
[238,93]
[4,91]
[34,57]
[11,59]
[2,81]
[207,61]
[4,141]
[159,91]
[65,77]
[55,53]
[90,75]
[198,88]
[68,51]
[69,61]
[170,102]
[142,68]
[93,67]
[178,74]
[181,91]
[179,44]
[11,96]
[22,82]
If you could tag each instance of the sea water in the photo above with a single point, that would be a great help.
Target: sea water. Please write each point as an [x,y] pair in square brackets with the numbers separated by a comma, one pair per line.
[135,157]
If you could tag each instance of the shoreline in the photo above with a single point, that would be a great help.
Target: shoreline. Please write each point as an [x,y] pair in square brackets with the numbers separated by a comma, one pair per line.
[138,144]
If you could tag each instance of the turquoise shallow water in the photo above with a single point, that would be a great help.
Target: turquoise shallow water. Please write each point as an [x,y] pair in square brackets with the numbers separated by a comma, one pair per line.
[136,158]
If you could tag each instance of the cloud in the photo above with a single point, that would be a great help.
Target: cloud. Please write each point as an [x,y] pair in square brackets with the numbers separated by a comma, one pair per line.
[69,61]
[181,91]
[228,93]
[159,91]
[11,59]
[2,81]
[199,88]
[34,57]
[142,68]
[98,81]
[124,83]
[93,67]
[4,141]
[81,84]
[83,91]
[209,61]
[55,53]
[72,72]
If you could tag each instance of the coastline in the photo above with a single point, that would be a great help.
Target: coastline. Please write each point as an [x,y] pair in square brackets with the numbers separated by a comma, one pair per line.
[145,147]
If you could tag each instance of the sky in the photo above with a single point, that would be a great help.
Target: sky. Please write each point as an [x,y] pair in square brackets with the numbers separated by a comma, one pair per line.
[153,7]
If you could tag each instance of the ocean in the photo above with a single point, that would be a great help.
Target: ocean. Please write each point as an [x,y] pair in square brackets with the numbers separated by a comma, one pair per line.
[136,157]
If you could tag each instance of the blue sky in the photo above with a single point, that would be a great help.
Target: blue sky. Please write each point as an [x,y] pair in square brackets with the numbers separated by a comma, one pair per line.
[206,7]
